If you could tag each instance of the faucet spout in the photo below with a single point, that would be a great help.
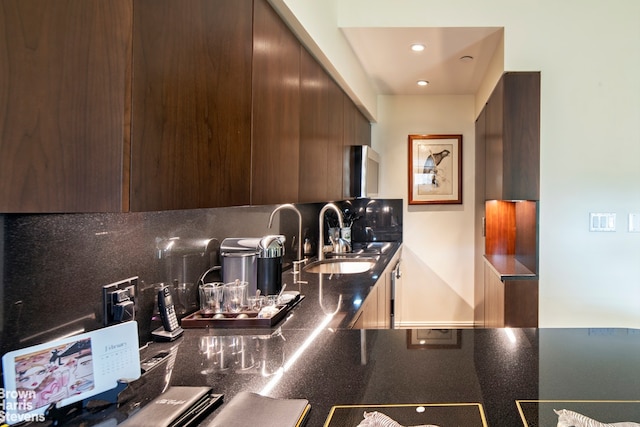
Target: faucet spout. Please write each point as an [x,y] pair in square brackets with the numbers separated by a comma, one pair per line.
[293,208]
[324,209]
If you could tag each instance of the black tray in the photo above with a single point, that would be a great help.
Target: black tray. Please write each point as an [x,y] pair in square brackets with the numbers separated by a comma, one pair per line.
[231,320]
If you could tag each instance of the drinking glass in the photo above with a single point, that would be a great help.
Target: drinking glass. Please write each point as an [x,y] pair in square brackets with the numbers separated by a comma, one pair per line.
[211,296]
[235,296]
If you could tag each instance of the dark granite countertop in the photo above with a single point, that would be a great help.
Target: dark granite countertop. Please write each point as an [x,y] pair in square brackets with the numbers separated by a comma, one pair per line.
[505,371]
[515,376]
[339,295]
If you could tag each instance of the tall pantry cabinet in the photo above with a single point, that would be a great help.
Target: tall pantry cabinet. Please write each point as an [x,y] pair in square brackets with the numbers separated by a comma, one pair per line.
[138,105]
[508,168]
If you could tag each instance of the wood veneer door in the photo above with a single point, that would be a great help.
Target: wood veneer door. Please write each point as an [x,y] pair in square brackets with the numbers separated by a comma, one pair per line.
[521,136]
[349,139]
[64,73]
[521,303]
[276,109]
[494,144]
[321,133]
[335,148]
[479,243]
[363,129]
[191,143]
[357,131]
[513,138]
[314,129]
[494,299]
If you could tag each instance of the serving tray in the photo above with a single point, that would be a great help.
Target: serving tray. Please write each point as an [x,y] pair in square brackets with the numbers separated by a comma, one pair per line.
[231,320]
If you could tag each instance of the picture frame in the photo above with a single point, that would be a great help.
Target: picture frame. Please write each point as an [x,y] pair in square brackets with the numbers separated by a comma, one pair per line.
[433,338]
[435,169]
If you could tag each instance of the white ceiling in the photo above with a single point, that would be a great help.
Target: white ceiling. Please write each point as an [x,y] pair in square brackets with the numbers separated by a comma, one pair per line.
[394,68]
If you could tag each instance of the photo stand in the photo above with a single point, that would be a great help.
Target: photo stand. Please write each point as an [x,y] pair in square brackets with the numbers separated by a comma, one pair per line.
[59,416]
[65,376]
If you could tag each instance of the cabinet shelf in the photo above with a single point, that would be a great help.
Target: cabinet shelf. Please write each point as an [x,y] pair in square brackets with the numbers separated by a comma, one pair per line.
[507,267]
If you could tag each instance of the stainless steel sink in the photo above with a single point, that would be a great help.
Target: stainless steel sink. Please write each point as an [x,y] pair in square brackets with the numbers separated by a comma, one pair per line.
[341,266]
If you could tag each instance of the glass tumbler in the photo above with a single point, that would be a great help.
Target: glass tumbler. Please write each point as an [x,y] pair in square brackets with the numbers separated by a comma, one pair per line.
[211,297]
[235,296]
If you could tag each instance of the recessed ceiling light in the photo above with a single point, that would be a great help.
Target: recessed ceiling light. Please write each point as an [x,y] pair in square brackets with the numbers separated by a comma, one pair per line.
[422,82]
[417,47]
[466,58]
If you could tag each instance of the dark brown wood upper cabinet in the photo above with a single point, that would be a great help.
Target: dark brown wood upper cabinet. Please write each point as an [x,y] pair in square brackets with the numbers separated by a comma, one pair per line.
[144,105]
[335,148]
[321,133]
[314,129]
[513,138]
[64,91]
[357,131]
[191,143]
[276,109]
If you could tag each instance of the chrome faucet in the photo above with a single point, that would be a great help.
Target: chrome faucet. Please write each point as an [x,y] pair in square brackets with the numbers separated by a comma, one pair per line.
[293,208]
[324,209]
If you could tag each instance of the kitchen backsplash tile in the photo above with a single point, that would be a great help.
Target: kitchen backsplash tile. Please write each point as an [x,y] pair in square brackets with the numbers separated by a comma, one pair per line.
[54,265]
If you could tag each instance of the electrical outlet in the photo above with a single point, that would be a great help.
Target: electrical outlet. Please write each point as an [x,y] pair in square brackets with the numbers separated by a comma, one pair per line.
[118,301]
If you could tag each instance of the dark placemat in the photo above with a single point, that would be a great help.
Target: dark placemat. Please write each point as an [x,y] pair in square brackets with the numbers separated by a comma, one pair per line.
[540,413]
[440,414]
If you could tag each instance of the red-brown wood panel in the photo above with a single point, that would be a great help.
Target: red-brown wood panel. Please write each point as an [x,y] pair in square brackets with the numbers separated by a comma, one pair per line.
[191,143]
[64,91]
[527,234]
[500,236]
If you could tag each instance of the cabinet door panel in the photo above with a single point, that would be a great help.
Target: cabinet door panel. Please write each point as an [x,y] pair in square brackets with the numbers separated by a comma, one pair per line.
[335,149]
[494,299]
[314,129]
[363,129]
[513,138]
[276,109]
[63,97]
[521,303]
[522,136]
[357,131]
[494,144]
[479,240]
[370,310]
[321,133]
[192,104]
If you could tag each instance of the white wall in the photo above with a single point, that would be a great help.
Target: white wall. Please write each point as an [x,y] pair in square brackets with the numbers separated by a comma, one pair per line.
[588,52]
[437,283]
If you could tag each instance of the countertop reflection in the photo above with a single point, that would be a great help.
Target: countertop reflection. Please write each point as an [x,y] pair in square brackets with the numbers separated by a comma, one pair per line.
[354,367]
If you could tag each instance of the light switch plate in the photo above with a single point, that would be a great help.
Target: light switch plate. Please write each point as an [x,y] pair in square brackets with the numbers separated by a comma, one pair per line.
[599,221]
[634,223]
